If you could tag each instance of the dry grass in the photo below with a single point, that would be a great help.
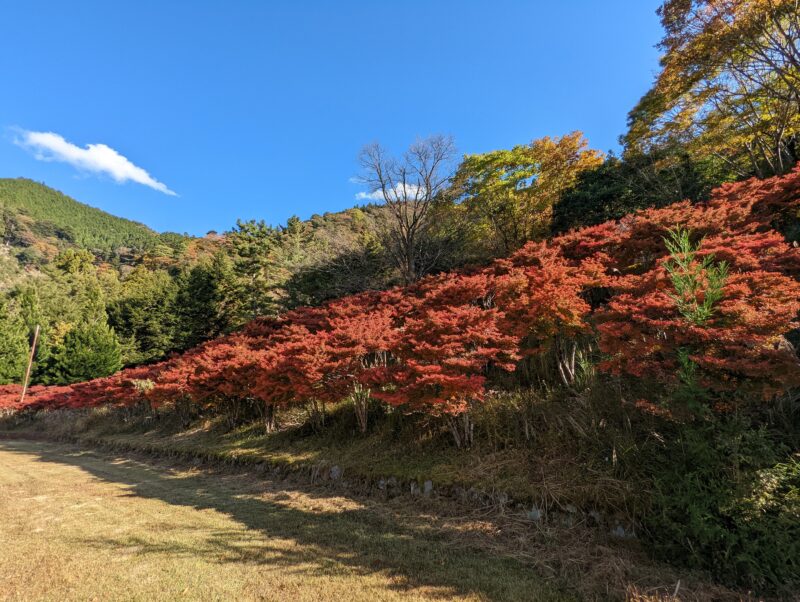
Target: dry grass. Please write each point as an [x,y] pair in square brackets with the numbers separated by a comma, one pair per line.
[78,525]
[91,525]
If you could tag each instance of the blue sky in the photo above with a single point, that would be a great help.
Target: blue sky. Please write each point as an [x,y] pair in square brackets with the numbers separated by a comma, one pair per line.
[258,109]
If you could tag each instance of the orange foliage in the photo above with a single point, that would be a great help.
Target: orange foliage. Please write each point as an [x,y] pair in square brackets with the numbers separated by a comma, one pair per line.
[430,347]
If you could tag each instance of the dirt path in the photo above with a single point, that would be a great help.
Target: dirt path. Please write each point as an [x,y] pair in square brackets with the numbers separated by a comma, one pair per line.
[88,525]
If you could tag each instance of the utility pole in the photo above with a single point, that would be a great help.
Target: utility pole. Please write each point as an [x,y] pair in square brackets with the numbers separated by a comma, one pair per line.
[30,363]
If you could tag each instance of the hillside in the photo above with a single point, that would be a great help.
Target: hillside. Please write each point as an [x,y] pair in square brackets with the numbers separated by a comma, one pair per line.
[505,386]
[64,264]
[34,211]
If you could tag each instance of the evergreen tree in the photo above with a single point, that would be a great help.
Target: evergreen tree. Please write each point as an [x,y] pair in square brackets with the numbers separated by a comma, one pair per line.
[90,350]
[13,345]
[253,246]
[204,301]
[621,186]
[143,316]
[74,261]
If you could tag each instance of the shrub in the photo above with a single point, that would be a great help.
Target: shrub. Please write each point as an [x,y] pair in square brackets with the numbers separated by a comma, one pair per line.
[727,500]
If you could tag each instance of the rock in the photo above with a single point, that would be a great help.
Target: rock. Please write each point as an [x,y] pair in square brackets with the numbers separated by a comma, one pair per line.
[414,488]
[622,533]
[335,473]
[427,488]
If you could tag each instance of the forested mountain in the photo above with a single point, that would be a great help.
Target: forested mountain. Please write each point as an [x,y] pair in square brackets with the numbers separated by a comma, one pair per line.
[35,213]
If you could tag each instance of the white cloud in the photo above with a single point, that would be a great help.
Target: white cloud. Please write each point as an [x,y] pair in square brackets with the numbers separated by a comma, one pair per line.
[396,194]
[369,196]
[95,158]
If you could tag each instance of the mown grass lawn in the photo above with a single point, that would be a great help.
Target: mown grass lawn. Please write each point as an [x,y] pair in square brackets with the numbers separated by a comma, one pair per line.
[84,525]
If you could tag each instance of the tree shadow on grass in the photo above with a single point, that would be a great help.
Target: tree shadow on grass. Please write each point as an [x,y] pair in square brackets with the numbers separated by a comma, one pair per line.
[327,533]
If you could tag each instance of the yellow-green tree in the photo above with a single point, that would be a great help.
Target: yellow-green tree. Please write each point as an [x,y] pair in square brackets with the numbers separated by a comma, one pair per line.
[511,193]
[729,85]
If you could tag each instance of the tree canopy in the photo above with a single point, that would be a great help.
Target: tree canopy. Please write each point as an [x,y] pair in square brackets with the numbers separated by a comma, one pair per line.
[511,193]
[729,87]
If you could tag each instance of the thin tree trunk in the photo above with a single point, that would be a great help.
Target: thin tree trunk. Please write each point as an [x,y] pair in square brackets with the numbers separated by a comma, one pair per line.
[30,364]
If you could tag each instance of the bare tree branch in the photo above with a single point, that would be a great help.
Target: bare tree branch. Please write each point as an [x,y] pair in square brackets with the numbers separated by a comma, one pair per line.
[409,187]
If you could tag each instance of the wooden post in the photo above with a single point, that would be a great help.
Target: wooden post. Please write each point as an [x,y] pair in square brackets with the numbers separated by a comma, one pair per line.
[30,363]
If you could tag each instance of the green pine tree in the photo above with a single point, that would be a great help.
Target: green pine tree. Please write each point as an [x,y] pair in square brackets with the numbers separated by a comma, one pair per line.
[203,303]
[143,316]
[253,246]
[90,350]
[13,345]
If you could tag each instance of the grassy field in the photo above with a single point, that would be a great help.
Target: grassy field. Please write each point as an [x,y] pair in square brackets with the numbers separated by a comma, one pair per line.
[82,525]
[195,527]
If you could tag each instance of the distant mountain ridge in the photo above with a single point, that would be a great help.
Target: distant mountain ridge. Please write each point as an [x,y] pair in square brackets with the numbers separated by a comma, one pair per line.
[33,211]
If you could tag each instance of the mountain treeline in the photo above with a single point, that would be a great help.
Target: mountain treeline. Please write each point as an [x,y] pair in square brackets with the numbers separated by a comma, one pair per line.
[33,213]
